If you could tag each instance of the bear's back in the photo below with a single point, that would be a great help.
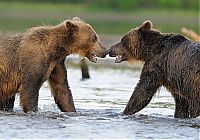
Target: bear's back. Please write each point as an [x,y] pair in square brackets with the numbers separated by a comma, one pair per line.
[8,51]
[9,44]
[183,68]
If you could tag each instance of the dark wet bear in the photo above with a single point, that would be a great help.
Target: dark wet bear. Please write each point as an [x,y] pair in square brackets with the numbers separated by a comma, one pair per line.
[28,60]
[170,60]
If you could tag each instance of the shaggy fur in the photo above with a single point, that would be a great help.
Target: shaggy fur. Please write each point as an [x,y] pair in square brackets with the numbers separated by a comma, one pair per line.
[170,60]
[28,60]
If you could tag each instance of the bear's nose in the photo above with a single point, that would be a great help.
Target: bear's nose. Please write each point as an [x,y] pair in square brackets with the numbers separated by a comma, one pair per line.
[110,50]
[104,55]
[107,52]
[111,53]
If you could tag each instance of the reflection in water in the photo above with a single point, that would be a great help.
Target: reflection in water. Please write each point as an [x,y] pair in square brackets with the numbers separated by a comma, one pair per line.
[99,102]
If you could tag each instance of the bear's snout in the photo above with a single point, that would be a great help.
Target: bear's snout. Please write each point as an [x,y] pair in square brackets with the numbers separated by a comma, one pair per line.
[111,53]
[103,53]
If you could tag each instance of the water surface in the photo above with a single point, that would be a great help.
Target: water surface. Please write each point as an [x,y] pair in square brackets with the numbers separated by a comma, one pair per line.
[100,101]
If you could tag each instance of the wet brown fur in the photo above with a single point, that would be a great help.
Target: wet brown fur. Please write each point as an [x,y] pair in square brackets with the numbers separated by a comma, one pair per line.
[171,61]
[28,60]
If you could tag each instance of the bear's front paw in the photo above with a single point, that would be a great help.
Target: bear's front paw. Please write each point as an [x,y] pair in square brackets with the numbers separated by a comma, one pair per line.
[129,110]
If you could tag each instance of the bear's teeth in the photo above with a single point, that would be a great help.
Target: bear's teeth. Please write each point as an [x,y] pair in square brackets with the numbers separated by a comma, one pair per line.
[118,59]
[93,57]
[119,56]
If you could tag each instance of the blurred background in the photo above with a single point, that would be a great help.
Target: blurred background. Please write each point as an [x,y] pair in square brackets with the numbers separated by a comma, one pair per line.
[108,17]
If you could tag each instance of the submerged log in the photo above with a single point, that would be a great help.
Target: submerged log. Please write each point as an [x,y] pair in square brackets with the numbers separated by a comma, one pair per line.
[84,69]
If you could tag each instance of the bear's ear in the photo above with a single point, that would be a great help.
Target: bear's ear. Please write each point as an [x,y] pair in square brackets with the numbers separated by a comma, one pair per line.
[76,19]
[146,26]
[71,26]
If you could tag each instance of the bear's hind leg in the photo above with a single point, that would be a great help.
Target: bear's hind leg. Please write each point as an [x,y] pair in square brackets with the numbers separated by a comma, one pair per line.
[182,107]
[8,104]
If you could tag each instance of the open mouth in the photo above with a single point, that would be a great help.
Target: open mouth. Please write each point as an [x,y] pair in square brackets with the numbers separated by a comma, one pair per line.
[119,57]
[93,57]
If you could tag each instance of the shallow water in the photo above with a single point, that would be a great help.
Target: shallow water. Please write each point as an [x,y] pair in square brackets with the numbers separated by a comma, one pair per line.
[100,101]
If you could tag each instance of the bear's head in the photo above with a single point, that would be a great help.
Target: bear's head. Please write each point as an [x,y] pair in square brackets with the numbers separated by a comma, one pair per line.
[133,44]
[84,40]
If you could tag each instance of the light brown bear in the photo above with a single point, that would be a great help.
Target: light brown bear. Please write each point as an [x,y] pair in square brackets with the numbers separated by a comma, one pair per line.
[28,60]
[170,60]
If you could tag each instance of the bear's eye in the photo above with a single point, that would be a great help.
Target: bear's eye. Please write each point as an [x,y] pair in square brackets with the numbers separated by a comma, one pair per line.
[94,39]
[124,41]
